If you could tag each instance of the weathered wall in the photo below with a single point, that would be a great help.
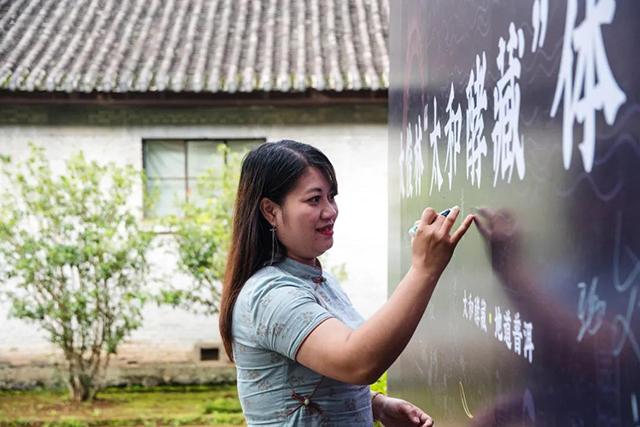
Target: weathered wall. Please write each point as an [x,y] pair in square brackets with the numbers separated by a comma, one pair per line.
[353,137]
[41,373]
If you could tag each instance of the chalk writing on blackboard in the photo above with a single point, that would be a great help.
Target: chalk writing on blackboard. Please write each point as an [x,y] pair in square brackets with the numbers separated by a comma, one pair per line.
[476,104]
[436,133]
[463,398]
[622,326]
[593,87]
[452,132]
[411,163]
[539,18]
[591,309]
[623,285]
[622,323]
[509,328]
[508,144]
[584,89]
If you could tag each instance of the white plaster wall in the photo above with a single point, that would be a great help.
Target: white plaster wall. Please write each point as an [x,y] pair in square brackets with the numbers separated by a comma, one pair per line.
[359,154]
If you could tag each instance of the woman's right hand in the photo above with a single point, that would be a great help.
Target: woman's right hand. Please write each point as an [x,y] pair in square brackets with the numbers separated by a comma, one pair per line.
[433,244]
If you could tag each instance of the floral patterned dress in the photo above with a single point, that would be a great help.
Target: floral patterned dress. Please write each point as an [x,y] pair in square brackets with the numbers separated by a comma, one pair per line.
[275,311]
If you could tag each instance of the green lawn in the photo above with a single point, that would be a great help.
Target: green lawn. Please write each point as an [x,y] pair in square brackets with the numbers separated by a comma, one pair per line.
[134,406]
[191,405]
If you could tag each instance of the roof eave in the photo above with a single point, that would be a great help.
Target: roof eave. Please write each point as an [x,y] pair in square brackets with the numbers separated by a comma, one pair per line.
[190,99]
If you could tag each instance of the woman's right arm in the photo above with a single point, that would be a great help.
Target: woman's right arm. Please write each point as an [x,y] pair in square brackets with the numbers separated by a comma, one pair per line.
[360,356]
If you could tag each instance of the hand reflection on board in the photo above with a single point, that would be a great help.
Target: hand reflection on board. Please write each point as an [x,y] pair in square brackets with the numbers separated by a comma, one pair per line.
[576,344]
[503,235]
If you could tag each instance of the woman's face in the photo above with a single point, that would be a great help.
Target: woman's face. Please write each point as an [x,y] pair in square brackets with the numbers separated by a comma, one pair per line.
[304,223]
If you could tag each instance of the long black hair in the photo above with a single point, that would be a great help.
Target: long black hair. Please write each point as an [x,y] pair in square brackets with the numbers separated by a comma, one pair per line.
[270,170]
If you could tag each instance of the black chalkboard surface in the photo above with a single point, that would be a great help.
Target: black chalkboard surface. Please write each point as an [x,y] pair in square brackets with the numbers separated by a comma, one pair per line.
[526,113]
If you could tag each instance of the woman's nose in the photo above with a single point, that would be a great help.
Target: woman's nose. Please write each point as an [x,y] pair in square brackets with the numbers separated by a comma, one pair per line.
[330,211]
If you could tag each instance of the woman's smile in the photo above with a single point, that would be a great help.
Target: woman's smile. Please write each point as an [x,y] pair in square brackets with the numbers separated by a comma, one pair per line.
[326,231]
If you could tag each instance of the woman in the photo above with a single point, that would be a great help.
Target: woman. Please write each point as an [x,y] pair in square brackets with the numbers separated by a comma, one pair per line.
[304,356]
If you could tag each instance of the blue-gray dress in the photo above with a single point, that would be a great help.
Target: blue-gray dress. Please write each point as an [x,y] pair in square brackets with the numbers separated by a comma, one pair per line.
[275,311]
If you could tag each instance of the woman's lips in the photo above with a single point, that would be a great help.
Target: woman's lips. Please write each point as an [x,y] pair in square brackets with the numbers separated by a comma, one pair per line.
[328,232]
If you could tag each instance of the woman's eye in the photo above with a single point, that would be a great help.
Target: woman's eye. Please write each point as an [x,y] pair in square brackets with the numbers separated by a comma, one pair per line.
[315,199]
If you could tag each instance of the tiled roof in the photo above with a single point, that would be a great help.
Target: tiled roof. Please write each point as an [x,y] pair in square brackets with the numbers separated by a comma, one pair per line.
[193,45]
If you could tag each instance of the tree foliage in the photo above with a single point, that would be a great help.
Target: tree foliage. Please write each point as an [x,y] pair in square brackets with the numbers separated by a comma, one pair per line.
[73,259]
[203,232]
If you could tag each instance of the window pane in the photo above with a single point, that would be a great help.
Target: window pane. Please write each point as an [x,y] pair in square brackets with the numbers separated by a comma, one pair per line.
[239,145]
[169,195]
[164,159]
[203,155]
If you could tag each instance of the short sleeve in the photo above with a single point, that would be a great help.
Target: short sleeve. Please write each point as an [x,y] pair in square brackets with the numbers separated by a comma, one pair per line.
[283,313]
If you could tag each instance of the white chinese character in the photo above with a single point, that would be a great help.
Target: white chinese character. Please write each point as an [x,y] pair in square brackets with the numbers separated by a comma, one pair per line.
[539,17]
[483,315]
[425,116]
[517,334]
[436,175]
[476,317]
[409,159]
[465,311]
[528,341]
[411,163]
[406,162]
[476,103]
[452,132]
[507,328]
[593,87]
[476,308]
[418,164]
[471,308]
[508,148]
[591,309]
[498,320]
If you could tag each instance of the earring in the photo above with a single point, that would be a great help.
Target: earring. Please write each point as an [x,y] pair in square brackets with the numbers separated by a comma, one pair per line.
[273,244]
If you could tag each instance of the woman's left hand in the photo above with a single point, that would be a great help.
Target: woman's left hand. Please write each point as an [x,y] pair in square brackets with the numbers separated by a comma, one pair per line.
[393,412]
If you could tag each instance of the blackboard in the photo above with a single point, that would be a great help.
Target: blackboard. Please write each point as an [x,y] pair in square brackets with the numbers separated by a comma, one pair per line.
[526,113]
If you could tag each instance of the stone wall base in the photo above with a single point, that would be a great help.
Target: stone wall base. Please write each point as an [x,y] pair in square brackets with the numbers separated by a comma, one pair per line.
[52,376]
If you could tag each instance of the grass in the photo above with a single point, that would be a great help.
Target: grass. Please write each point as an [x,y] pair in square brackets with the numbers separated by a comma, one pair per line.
[134,406]
[139,406]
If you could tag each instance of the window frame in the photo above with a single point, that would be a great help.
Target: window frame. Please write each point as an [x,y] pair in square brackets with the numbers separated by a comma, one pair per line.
[186,178]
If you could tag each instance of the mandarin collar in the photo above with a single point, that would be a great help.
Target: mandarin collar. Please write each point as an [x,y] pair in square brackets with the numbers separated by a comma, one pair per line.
[298,269]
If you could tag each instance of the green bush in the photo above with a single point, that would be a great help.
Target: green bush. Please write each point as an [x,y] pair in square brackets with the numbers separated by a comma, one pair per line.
[73,259]
[380,385]
[203,231]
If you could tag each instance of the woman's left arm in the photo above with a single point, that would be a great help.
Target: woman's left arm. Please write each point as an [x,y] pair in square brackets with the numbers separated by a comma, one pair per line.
[393,412]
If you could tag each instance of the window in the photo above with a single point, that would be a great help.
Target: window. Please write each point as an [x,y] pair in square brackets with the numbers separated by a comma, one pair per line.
[174,166]
[209,353]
